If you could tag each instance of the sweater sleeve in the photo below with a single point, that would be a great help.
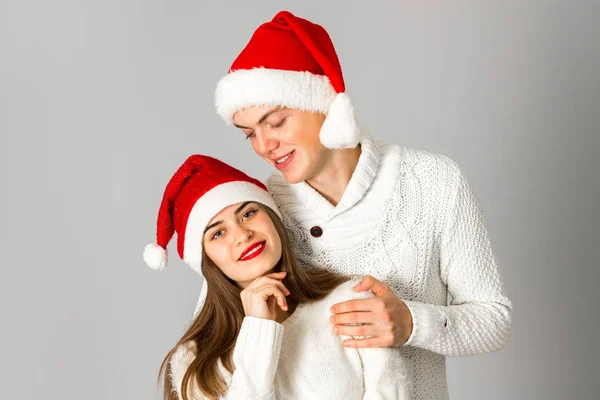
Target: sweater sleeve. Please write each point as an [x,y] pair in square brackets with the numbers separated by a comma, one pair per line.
[255,358]
[384,373]
[478,318]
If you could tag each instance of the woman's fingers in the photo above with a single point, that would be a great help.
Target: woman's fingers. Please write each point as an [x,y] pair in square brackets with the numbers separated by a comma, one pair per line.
[260,296]
[267,280]
[275,291]
[256,300]
[273,275]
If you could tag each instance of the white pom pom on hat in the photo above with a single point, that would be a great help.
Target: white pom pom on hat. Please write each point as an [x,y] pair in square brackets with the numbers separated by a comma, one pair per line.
[155,256]
[340,129]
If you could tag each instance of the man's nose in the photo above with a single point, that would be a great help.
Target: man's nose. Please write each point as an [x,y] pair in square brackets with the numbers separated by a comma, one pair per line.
[268,141]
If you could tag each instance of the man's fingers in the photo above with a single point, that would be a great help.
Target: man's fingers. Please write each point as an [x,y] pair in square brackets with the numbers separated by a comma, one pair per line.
[364,317]
[364,284]
[372,284]
[363,330]
[373,304]
[368,342]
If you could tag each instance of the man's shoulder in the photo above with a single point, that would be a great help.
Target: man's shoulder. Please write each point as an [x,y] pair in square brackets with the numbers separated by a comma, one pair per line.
[420,163]
[413,155]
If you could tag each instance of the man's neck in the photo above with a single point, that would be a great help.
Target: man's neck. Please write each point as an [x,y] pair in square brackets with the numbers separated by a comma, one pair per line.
[333,180]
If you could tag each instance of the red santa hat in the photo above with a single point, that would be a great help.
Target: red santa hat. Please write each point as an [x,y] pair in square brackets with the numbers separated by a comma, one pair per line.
[199,190]
[291,62]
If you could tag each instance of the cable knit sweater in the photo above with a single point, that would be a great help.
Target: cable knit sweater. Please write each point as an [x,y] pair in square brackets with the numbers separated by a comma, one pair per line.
[410,219]
[302,359]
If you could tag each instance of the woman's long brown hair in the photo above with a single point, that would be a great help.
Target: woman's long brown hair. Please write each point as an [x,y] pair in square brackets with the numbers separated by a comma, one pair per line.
[215,329]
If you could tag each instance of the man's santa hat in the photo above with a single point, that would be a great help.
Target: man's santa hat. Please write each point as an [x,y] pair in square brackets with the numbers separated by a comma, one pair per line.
[291,62]
[200,189]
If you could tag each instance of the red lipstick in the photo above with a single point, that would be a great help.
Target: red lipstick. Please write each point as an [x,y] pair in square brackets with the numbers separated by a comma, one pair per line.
[253,251]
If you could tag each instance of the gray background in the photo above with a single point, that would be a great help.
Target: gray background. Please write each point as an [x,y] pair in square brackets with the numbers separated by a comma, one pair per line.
[101,101]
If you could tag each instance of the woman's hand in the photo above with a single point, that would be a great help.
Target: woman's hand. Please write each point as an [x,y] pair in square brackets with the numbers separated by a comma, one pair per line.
[264,294]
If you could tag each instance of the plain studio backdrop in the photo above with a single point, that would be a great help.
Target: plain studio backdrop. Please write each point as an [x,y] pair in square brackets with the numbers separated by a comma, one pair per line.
[100,102]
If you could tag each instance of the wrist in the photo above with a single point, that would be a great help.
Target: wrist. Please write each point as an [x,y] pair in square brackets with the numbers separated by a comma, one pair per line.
[407,323]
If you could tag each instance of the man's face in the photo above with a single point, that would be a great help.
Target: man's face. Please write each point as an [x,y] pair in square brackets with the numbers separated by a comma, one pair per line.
[286,138]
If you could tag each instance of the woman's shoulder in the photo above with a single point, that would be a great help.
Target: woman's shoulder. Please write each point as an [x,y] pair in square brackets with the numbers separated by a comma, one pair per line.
[180,362]
[182,358]
[345,291]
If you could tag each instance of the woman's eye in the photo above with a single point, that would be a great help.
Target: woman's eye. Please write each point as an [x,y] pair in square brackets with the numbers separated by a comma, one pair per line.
[216,235]
[249,135]
[248,214]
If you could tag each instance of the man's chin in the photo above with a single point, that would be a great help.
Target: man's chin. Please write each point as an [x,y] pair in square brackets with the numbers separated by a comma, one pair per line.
[292,178]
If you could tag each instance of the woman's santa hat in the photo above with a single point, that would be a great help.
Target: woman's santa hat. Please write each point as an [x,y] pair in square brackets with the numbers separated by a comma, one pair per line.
[199,190]
[291,62]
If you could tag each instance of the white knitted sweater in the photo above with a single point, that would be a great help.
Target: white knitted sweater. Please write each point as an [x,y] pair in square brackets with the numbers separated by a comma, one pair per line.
[302,359]
[410,219]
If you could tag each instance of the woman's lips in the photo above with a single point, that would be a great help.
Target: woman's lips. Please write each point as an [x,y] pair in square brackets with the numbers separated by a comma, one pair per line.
[252,251]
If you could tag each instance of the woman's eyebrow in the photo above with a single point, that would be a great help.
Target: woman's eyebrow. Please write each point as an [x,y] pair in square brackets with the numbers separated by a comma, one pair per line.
[212,225]
[240,208]
[237,211]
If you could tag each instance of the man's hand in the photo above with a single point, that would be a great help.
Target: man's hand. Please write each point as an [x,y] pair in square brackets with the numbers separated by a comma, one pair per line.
[384,319]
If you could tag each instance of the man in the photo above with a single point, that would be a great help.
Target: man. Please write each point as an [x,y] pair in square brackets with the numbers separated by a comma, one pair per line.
[406,219]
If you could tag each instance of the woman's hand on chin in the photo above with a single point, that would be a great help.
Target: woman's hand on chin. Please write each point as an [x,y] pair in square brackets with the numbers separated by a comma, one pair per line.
[261,297]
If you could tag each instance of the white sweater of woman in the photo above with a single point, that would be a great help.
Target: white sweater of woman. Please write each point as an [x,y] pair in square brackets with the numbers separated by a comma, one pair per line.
[301,358]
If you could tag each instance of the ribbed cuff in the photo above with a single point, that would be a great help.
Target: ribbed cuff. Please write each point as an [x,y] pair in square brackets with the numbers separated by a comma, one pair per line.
[260,333]
[429,323]
[257,350]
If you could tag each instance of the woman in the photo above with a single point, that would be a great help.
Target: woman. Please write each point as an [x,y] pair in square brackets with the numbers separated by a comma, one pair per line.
[263,332]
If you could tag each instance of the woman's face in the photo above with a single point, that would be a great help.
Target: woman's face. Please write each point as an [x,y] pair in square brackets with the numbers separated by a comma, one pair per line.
[243,242]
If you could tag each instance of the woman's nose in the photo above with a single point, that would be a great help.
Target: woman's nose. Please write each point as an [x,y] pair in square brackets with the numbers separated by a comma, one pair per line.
[243,234]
